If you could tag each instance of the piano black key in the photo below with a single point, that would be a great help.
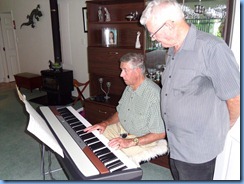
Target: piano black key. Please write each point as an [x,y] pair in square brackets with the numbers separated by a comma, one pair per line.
[67,118]
[71,121]
[87,136]
[97,146]
[78,128]
[90,141]
[78,125]
[62,109]
[80,133]
[102,154]
[108,157]
[118,164]
[102,151]
[113,163]
[82,126]
[105,157]
[74,124]
[67,115]
[108,160]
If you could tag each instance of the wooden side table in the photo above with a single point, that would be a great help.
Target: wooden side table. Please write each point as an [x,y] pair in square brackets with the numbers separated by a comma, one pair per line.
[28,80]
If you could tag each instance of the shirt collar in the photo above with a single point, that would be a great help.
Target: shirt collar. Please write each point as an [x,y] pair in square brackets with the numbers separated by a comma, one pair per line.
[139,91]
[190,40]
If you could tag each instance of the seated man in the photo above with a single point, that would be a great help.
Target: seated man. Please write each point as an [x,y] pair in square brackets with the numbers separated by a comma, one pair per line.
[137,125]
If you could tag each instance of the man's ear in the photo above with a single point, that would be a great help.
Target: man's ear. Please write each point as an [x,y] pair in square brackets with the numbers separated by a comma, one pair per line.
[138,70]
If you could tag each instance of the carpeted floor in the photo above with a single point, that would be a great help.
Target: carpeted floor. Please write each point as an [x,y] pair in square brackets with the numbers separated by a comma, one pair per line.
[20,154]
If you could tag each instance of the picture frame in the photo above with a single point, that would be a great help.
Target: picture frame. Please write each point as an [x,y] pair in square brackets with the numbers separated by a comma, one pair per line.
[84,13]
[109,36]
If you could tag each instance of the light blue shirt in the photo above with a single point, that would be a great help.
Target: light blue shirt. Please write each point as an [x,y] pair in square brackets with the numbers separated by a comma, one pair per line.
[197,81]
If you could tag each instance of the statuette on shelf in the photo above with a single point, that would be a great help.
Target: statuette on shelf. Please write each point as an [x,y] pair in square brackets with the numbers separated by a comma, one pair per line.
[138,44]
[132,16]
[100,14]
[107,15]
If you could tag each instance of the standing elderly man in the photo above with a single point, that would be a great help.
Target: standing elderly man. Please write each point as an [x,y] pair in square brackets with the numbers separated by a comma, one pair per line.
[137,124]
[200,97]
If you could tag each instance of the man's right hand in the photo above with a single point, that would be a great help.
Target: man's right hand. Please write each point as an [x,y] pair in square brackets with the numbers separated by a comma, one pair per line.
[100,127]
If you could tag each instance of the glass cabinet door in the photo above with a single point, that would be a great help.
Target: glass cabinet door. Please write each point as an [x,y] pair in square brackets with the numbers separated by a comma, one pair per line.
[212,16]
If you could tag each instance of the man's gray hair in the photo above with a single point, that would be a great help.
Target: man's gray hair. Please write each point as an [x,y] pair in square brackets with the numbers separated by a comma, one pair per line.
[174,15]
[136,60]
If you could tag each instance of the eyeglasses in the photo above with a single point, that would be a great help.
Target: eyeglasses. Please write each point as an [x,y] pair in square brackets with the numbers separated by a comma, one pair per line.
[152,35]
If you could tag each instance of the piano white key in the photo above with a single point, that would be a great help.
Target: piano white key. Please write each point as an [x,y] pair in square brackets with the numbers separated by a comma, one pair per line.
[111,161]
[93,143]
[116,168]
[102,154]
[80,159]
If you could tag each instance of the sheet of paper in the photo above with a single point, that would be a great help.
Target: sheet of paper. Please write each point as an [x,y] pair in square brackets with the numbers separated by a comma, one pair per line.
[38,127]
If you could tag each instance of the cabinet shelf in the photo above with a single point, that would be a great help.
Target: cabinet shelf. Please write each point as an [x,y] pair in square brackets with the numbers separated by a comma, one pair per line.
[118,10]
[115,22]
[132,48]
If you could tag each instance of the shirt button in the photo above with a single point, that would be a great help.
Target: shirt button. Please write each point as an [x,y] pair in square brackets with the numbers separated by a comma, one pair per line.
[165,113]
[166,94]
[170,76]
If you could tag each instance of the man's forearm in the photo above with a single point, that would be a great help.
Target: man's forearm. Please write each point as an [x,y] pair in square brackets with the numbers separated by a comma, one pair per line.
[149,138]
[233,105]
[112,120]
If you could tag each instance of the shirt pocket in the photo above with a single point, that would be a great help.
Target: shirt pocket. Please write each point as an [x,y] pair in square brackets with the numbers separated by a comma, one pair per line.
[183,81]
[140,111]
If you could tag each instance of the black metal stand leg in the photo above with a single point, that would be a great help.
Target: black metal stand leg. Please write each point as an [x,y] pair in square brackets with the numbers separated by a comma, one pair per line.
[49,163]
[43,161]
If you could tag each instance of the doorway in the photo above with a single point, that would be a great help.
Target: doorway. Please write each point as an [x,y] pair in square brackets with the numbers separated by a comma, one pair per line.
[9,60]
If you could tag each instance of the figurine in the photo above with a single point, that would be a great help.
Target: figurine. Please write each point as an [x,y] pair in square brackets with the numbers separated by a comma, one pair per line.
[100,14]
[107,15]
[138,44]
[132,16]
[57,67]
[129,17]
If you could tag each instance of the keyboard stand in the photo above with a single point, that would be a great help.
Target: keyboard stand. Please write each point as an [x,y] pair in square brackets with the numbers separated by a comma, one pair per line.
[43,172]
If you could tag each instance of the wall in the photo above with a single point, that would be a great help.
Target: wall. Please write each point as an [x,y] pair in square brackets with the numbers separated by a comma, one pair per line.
[74,51]
[35,46]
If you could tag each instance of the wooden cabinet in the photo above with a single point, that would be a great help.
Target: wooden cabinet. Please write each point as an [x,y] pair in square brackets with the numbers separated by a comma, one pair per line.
[95,111]
[103,59]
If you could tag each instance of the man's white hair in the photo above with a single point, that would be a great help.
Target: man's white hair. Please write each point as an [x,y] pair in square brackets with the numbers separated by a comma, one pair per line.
[171,10]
